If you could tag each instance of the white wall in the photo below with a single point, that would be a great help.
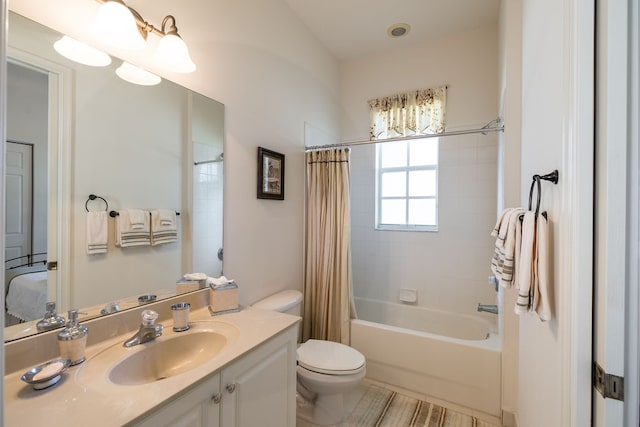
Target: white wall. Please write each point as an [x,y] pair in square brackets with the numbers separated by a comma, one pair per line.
[273,76]
[449,267]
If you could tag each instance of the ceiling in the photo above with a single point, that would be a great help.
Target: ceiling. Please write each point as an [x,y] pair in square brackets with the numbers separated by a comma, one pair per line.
[354,28]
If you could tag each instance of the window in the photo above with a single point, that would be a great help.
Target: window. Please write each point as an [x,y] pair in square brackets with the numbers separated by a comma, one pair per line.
[407,185]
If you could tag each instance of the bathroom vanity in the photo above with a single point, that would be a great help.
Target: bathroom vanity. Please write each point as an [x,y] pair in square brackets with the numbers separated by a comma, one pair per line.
[232,370]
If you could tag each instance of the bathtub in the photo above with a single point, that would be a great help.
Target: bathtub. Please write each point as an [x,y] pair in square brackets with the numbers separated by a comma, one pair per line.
[452,357]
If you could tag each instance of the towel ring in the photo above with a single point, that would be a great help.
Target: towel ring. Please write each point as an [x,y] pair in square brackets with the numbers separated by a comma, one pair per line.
[553,177]
[93,197]
[536,180]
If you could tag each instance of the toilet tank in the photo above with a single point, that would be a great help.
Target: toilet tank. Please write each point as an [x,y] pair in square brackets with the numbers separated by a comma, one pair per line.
[288,301]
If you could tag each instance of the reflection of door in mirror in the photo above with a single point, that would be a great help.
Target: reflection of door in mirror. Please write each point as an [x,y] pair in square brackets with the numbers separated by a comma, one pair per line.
[26,192]
[207,123]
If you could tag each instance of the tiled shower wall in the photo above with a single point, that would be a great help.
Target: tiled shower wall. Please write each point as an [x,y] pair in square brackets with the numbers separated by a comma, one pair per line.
[448,268]
[207,210]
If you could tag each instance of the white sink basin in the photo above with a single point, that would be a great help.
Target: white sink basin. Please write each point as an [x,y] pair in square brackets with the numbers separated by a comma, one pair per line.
[167,356]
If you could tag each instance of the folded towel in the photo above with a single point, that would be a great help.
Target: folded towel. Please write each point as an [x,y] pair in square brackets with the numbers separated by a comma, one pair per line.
[218,282]
[509,248]
[97,235]
[167,216]
[163,233]
[503,262]
[126,236]
[526,274]
[137,217]
[496,229]
[543,303]
[195,276]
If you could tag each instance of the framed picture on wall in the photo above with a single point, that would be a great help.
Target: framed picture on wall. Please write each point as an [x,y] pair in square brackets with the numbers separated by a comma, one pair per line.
[270,174]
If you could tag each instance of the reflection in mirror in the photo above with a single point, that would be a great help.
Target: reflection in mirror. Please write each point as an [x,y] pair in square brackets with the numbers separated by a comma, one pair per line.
[206,133]
[123,142]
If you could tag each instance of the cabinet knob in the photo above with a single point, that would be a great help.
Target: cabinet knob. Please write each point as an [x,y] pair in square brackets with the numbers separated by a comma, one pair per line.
[231,388]
[216,398]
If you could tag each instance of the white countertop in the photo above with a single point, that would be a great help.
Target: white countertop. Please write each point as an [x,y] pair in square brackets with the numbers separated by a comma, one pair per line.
[71,402]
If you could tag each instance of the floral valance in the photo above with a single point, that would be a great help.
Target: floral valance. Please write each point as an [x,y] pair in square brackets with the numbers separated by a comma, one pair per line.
[411,113]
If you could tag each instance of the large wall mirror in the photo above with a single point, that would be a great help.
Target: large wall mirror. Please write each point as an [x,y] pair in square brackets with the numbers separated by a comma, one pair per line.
[75,130]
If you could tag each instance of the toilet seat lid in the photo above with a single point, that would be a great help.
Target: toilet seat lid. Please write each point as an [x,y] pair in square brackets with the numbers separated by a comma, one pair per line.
[329,357]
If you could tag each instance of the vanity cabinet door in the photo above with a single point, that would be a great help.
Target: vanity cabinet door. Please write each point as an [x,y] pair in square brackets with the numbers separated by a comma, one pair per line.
[199,407]
[259,388]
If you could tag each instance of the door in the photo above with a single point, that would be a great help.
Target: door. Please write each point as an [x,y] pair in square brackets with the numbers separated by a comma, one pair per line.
[19,200]
[614,232]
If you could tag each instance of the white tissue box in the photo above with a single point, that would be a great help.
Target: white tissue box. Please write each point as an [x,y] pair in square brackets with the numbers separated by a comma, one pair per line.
[223,298]
[184,285]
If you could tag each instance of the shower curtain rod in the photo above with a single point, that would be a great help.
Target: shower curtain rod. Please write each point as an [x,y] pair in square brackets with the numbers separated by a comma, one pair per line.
[495,125]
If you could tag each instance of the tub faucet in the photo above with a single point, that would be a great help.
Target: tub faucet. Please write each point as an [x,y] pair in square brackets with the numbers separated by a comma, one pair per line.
[489,308]
[148,330]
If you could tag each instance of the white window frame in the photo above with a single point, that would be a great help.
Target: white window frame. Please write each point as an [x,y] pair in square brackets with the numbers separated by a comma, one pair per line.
[379,170]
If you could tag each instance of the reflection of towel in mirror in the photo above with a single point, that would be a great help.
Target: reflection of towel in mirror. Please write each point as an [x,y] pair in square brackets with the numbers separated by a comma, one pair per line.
[163,227]
[126,236]
[137,219]
[97,227]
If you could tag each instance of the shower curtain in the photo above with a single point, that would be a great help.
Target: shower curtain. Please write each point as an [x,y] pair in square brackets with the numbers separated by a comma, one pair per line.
[327,284]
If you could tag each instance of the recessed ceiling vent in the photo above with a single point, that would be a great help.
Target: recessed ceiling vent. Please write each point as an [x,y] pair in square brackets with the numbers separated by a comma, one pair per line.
[398,30]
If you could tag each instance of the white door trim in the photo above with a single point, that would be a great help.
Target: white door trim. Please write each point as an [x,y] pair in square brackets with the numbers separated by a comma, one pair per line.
[632,336]
[3,137]
[577,182]
[59,218]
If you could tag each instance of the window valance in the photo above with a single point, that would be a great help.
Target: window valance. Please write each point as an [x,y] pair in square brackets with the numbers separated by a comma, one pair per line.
[407,114]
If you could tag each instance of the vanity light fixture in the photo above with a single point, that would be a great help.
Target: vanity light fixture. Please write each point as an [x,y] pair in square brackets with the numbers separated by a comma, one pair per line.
[137,75]
[116,24]
[124,28]
[80,52]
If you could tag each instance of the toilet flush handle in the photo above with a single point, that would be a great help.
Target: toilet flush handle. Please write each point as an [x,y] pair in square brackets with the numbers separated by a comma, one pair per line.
[231,388]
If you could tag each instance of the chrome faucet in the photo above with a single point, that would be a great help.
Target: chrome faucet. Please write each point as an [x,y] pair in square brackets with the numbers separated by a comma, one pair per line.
[489,308]
[148,330]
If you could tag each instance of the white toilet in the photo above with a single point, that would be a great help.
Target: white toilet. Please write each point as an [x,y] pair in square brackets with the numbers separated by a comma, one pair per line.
[326,369]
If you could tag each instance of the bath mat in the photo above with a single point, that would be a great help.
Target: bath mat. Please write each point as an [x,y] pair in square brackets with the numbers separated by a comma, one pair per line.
[380,407]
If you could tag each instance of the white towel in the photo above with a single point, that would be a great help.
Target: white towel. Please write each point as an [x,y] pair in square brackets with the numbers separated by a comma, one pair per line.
[509,250]
[494,233]
[126,236]
[97,235]
[218,282]
[167,216]
[195,276]
[503,262]
[137,219]
[543,303]
[163,233]
[526,265]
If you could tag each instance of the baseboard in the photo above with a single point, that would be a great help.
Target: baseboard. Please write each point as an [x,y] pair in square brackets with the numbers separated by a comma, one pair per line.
[509,419]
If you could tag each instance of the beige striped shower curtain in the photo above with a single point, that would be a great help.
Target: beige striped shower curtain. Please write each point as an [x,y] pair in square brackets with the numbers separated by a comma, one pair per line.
[327,284]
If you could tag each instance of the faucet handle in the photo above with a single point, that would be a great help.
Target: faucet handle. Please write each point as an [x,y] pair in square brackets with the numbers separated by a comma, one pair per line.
[149,317]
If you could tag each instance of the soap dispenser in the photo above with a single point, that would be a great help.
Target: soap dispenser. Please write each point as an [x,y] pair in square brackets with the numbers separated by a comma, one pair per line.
[72,340]
[51,318]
